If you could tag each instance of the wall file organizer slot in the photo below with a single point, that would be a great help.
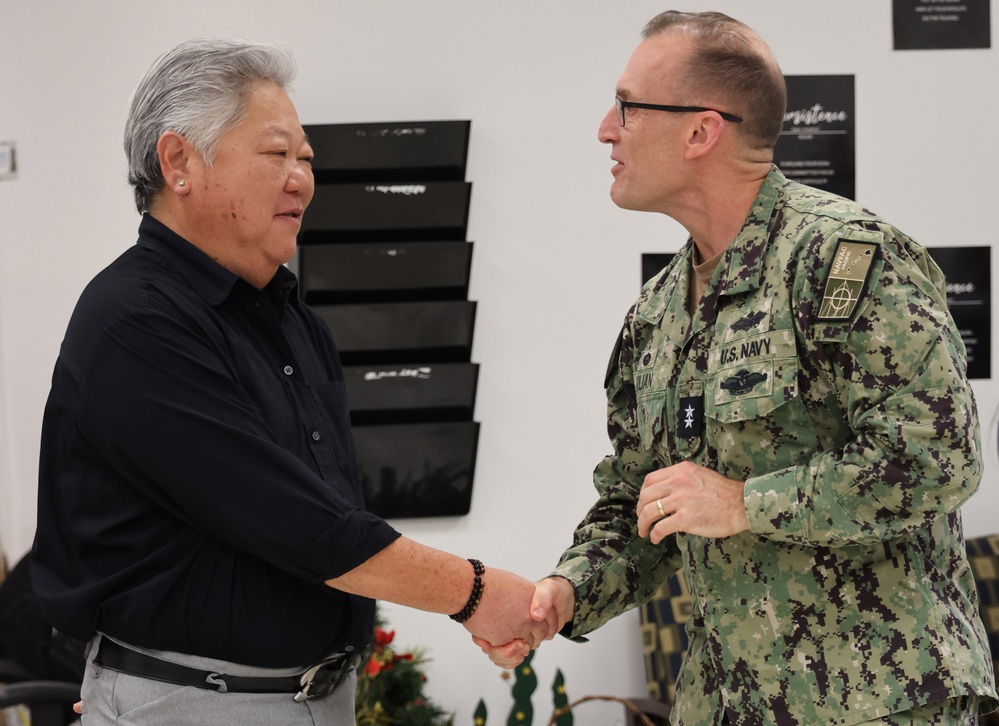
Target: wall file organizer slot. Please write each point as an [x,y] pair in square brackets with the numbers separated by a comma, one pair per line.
[384,394]
[400,152]
[387,211]
[426,471]
[384,259]
[373,271]
[435,330]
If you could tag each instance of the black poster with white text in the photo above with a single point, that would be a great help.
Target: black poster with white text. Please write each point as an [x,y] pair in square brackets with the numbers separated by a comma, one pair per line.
[969,298]
[818,144]
[933,24]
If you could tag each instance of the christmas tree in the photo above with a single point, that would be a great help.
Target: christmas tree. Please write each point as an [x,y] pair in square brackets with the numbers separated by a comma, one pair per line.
[390,687]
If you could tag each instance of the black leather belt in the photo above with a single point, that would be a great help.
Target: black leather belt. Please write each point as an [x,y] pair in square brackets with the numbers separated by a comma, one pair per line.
[319,680]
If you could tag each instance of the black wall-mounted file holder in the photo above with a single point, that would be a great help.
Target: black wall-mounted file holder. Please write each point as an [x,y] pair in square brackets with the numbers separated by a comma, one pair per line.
[386,271]
[417,470]
[387,211]
[384,259]
[385,394]
[409,151]
[435,330]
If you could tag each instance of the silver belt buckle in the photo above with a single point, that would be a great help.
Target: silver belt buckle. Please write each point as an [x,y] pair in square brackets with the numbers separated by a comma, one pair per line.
[322,678]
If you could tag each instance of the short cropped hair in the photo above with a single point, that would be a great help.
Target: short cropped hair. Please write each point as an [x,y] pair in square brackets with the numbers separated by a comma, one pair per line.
[200,90]
[731,62]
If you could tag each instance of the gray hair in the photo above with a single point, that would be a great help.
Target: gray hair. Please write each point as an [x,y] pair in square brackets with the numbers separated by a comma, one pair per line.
[200,90]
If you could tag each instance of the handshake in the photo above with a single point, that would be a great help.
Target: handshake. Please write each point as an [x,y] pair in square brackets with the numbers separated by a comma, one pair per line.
[514,615]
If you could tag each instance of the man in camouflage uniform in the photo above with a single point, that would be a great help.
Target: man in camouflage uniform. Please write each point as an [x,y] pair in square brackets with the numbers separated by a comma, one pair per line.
[790,418]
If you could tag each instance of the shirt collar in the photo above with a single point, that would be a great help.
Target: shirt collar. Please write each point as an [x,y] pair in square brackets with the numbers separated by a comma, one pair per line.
[741,266]
[207,277]
[744,259]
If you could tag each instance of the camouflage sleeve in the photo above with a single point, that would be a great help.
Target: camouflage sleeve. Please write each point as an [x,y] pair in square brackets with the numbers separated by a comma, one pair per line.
[908,449]
[611,568]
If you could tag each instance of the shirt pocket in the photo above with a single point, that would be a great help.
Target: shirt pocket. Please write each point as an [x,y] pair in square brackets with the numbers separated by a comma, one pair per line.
[755,415]
[651,407]
[650,397]
[752,390]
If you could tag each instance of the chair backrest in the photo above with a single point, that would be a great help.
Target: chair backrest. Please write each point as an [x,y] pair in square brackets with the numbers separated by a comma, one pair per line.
[983,554]
[664,640]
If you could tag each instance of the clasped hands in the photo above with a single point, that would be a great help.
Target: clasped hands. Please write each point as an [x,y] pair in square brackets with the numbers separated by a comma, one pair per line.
[520,618]
[684,497]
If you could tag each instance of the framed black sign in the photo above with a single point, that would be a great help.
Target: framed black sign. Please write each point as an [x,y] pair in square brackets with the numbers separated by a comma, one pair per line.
[932,24]
[653,263]
[969,298]
[818,144]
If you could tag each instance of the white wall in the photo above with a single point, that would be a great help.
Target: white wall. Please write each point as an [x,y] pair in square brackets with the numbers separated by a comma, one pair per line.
[555,265]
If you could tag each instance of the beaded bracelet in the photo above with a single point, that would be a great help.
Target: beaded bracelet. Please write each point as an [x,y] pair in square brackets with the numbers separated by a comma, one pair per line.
[475,597]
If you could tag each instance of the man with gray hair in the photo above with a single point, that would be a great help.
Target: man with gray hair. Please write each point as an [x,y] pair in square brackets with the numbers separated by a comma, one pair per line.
[791,422]
[200,517]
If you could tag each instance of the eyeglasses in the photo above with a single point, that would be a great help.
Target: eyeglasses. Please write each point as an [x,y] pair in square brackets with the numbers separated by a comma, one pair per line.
[622,106]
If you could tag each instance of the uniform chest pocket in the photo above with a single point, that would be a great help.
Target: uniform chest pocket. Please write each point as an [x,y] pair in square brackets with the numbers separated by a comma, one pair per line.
[752,377]
[650,410]
[751,391]
[756,418]
[650,395]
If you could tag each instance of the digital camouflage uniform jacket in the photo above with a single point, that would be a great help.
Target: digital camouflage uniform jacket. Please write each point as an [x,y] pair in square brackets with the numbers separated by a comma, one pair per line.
[831,379]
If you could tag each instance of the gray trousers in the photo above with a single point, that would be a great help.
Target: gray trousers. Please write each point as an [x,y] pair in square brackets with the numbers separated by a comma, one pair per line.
[121,699]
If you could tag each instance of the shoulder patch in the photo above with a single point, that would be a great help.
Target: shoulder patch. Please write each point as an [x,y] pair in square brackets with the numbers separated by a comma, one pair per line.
[847,281]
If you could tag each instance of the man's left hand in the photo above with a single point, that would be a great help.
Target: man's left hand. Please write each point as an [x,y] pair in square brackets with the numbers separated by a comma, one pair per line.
[688,498]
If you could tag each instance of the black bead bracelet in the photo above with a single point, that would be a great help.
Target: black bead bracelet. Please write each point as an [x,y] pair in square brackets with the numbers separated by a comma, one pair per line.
[475,597]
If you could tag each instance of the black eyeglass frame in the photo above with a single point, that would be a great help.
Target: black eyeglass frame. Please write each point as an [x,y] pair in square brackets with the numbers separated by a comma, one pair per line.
[623,105]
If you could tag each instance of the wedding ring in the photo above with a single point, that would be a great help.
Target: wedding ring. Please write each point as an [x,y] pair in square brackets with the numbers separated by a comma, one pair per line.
[659,506]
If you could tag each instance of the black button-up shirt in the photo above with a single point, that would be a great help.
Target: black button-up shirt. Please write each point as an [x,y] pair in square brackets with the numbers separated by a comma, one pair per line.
[198,480]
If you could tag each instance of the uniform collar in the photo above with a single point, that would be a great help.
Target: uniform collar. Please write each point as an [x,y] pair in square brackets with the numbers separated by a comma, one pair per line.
[743,263]
[667,292]
[208,278]
[740,270]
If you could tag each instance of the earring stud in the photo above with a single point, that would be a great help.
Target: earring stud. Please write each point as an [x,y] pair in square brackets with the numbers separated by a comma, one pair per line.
[181,183]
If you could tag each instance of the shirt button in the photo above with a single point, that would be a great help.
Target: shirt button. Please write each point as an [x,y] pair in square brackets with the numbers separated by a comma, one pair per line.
[288,370]
[349,649]
[316,436]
